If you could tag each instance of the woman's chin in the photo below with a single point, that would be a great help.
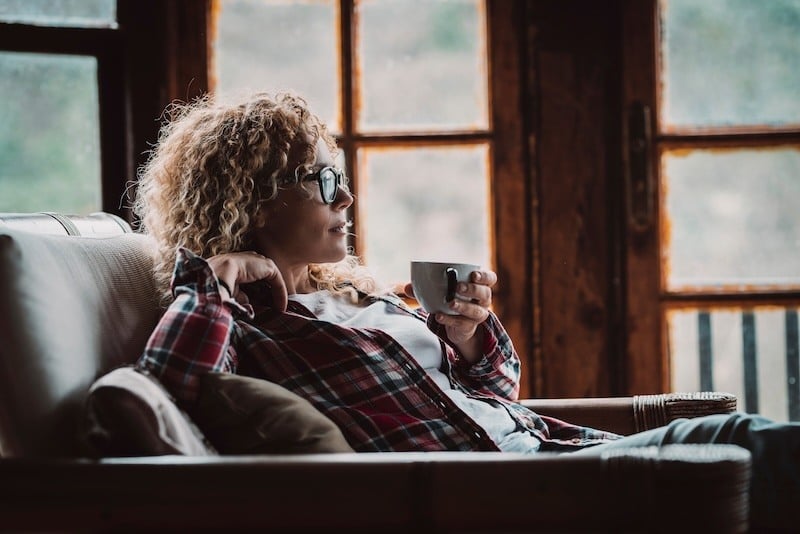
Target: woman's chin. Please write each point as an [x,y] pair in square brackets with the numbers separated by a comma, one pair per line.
[332,258]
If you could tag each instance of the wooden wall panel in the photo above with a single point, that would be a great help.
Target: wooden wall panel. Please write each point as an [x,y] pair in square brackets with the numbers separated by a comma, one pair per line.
[144,26]
[166,55]
[575,61]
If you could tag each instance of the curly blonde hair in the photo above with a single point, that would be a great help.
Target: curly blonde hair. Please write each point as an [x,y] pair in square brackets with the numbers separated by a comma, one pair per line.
[214,164]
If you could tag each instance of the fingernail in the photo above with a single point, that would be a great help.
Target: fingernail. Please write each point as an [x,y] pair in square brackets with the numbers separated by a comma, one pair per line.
[477,276]
[462,287]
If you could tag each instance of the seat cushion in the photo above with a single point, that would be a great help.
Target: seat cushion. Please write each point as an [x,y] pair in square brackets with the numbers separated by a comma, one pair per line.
[71,309]
[243,415]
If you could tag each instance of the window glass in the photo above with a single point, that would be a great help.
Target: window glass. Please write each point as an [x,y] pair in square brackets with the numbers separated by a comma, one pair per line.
[422,64]
[49,133]
[423,203]
[60,12]
[732,218]
[750,353]
[730,63]
[278,45]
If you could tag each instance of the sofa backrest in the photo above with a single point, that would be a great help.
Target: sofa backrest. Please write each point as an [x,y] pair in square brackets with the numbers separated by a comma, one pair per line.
[77,299]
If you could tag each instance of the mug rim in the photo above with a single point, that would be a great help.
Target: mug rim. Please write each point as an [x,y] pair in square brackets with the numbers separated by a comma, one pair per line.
[417,262]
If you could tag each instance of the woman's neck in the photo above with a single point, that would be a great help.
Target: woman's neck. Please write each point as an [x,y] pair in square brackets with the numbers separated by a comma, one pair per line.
[297,280]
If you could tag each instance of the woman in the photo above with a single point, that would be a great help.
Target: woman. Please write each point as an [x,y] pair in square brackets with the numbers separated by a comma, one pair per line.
[252,187]
[250,216]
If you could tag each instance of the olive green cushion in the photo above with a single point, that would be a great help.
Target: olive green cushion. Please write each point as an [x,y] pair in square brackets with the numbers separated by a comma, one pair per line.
[244,415]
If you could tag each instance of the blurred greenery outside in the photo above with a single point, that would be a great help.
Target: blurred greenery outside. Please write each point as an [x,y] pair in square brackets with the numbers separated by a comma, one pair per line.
[730,62]
[81,13]
[733,218]
[49,133]
[406,222]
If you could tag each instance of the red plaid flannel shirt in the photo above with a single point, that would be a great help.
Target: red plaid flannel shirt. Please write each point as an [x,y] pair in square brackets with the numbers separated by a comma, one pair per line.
[361,378]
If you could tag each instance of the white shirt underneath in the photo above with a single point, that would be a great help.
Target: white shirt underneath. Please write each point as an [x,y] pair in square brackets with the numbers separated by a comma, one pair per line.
[426,349]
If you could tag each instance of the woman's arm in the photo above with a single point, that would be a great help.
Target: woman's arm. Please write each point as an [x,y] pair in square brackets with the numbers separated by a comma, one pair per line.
[193,336]
[496,372]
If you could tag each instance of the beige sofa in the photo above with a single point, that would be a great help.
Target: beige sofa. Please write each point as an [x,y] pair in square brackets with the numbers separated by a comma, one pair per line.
[77,301]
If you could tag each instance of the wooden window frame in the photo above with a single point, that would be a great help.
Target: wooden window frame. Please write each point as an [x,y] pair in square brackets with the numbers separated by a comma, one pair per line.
[648,366]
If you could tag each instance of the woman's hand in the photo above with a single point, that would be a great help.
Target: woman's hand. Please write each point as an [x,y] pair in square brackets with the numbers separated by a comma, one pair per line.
[462,329]
[237,268]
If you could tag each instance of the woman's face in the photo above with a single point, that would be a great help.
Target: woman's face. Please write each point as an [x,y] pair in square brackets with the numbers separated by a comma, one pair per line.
[300,228]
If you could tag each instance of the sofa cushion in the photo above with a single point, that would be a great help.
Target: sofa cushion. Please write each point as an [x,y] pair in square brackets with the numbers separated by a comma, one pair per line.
[71,309]
[130,413]
[243,415]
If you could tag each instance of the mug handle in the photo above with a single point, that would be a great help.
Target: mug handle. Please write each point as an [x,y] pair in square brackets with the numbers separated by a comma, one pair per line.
[452,280]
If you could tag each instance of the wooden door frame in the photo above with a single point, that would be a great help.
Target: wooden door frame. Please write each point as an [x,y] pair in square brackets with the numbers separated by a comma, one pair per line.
[646,366]
[575,63]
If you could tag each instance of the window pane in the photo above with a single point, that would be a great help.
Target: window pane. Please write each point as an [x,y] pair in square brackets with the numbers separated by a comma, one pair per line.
[49,133]
[750,353]
[278,45]
[425,203]
[60,12]
[423,65]
[732,218]
[730,62]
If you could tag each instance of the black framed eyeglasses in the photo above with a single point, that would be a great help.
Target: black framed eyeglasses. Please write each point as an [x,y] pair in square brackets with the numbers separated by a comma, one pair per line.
[329,179]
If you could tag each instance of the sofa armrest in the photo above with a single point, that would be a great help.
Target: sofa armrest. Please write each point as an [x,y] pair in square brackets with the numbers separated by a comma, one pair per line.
[627,415]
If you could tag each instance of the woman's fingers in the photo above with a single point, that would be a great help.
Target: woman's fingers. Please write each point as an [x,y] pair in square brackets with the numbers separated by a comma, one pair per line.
[479,290]
[249,267]
[484,278]
[468,311]
[262,270]
[462,327]
[408,290]
[241,297]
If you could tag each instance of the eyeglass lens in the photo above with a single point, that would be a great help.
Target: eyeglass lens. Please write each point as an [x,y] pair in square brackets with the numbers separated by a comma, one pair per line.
[329,184]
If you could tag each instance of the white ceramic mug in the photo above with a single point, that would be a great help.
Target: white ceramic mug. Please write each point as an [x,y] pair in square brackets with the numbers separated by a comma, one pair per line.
[435,282]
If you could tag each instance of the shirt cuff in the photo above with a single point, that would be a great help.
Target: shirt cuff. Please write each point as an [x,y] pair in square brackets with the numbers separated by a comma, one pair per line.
[489,342]
[193,272]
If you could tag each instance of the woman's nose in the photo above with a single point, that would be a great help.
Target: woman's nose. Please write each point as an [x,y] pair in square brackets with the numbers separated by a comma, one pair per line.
[344,198]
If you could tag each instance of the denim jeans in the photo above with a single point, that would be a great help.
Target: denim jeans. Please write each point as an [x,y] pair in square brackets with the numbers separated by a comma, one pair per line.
[775,450]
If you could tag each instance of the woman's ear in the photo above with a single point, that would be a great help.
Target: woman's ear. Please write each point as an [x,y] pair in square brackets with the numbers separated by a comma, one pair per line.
[261,216]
